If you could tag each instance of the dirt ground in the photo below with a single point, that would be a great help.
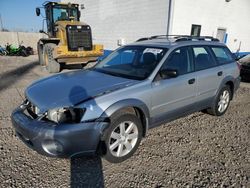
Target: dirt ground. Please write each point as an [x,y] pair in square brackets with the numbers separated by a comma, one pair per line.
[196,151]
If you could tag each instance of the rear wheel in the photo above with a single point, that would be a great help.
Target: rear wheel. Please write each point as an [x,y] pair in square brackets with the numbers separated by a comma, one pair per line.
[51,64]
[222,102]
[122,137]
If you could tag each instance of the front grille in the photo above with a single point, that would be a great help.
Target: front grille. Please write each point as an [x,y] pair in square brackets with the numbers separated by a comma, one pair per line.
[79,38]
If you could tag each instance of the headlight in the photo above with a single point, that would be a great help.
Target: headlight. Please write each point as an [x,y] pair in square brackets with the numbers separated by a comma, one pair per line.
[66,115]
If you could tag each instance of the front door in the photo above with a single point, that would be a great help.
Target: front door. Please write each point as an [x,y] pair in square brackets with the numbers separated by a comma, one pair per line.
[172,96]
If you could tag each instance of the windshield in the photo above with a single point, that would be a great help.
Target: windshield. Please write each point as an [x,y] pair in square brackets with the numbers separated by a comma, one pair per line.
[133,62]
[63,13]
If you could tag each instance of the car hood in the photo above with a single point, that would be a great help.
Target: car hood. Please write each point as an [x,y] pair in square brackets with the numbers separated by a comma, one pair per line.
[72,88]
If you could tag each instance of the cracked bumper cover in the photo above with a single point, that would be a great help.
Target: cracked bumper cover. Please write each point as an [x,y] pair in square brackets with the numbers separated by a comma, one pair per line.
[51,139]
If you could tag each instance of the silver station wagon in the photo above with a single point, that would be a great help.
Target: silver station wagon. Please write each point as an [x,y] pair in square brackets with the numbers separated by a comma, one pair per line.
[108,109]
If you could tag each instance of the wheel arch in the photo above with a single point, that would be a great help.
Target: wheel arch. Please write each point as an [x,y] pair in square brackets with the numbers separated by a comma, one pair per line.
[229,80]
[44,41]
[140,109]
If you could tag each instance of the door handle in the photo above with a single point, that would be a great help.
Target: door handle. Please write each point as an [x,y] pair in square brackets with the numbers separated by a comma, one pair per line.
[191,81]
[220,73]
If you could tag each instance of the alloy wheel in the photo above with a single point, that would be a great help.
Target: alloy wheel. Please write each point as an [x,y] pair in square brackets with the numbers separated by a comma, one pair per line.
[123,138]
[224,101]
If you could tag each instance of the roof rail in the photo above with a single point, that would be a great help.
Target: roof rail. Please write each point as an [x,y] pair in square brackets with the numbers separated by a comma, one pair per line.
[178,38]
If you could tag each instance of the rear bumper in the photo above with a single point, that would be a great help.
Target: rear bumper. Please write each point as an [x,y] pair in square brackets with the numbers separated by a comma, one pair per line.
[50,139]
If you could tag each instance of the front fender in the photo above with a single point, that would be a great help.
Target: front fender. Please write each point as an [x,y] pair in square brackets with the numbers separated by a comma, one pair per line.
[128,103]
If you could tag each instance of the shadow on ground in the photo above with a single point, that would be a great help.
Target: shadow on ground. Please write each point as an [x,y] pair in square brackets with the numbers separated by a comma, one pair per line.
[86,172]
[10,77]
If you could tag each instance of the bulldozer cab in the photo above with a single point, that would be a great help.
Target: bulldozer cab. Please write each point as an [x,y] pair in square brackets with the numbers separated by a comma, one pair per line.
[59,12]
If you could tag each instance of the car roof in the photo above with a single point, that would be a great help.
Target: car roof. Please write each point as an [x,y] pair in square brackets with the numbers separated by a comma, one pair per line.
[170,43]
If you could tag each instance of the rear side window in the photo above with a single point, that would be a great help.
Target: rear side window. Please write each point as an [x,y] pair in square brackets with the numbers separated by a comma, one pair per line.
[203,59]
[222,54]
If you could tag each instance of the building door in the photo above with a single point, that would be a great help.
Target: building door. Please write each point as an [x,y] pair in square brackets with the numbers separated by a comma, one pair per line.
[221,34]
[196,30]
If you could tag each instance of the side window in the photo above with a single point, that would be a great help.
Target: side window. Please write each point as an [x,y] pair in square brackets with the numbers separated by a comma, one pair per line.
[222,54]
[202,59]
[179,60]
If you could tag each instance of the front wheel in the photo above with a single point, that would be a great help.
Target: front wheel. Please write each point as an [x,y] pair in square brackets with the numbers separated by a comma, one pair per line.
[40,53]
[122,138]
[51,64]
[222,102]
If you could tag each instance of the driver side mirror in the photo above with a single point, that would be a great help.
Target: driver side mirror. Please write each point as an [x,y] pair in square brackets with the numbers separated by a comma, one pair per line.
[168,73]
[38,12]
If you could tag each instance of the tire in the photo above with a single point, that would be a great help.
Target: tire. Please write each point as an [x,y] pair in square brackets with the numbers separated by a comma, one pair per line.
[121,146]
[217,109]
[23,53]
[29,50]
[51,64]
[40,53]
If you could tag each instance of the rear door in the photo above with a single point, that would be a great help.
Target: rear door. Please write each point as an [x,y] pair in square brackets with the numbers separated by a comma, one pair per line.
[209,74]
[225,59]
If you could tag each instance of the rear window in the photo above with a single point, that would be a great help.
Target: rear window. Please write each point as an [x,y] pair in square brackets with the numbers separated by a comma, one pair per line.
[222,54]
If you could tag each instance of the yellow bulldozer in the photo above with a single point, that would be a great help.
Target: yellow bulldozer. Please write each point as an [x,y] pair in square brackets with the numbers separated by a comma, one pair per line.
[69,40]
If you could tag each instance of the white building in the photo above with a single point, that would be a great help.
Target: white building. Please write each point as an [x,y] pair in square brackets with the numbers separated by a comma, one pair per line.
[124,21]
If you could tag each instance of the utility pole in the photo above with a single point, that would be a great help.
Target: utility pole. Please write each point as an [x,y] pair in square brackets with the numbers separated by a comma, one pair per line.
[1,22]
[170,6]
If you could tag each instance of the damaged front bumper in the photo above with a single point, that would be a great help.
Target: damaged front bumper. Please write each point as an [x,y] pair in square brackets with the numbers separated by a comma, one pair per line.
[57,140]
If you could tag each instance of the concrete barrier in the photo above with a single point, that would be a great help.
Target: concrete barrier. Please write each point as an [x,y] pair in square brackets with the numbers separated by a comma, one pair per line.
[16,38]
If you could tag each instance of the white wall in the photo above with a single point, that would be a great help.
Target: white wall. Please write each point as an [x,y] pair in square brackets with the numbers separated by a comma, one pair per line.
[129,19]
[27,39]
[212,14]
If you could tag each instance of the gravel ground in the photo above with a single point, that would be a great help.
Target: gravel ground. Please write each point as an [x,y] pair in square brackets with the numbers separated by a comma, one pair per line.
[196,151]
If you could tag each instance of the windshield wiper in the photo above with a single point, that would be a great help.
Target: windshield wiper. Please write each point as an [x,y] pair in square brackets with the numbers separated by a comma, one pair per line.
[107,72]
[117,74]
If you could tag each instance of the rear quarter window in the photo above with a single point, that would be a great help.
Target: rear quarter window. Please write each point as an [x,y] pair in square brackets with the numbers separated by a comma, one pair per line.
[222,55]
